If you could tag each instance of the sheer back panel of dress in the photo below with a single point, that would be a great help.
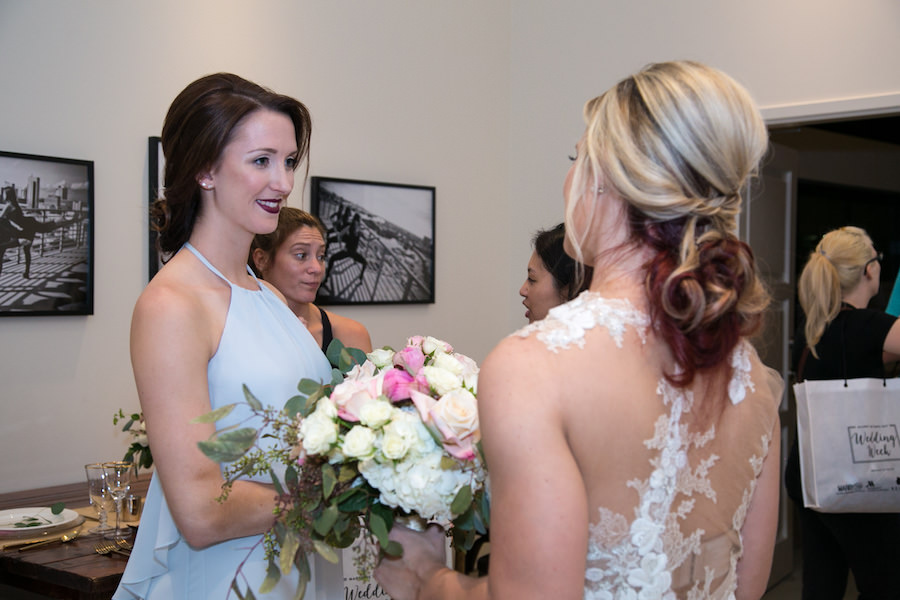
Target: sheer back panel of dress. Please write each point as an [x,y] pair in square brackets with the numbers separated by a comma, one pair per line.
[666,501]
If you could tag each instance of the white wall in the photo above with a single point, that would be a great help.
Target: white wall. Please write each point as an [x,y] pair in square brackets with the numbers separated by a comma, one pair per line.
[481,99]
[406,92]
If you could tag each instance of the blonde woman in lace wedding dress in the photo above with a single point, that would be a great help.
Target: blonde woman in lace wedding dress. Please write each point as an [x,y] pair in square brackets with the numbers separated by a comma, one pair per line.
[632,435]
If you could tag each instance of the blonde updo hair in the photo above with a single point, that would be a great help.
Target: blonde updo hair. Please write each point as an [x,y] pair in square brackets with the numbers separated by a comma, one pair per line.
[832,270]
[677,142]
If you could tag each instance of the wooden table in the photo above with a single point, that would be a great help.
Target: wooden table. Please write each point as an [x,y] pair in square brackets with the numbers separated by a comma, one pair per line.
[69,571]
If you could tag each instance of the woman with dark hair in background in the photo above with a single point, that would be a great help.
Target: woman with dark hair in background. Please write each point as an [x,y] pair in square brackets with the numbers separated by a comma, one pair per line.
[292,258]
[553,277]
[842,338]
[204,327]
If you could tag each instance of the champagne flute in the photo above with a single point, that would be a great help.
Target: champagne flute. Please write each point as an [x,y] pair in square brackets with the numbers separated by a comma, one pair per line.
[118,483]
[98,495]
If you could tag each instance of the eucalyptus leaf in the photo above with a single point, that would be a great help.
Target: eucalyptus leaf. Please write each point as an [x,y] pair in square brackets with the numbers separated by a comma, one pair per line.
[308,386]
[294,406]
[215,415]
[57,507]
[289,548]
[245,435]
[290,476]
[333,352]
[462,501]
[346,474]
[278,487]
[326,551]
[223,452]
[353,500]
[304,575]
[273,576]
[326,520]
[251,399]
[329,480]
[236,589]
[394,549]
[379,530]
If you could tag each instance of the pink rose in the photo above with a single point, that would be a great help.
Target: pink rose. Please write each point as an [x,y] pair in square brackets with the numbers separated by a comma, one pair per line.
[397,384]
[456,417]
[423,404]
[350,395]
[410,358]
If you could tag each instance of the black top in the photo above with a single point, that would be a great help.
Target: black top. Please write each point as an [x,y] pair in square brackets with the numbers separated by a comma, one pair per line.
[327,334]
[856,336]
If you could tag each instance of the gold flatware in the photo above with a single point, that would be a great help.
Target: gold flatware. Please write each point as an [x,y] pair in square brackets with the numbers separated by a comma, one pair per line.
[64,538]
[106,548]
[124,544]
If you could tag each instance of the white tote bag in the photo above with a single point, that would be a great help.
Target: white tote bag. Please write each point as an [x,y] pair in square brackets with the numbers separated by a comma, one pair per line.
[849,437]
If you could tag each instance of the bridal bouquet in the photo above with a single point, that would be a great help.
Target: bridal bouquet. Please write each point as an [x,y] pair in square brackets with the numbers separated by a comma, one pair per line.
[392,438]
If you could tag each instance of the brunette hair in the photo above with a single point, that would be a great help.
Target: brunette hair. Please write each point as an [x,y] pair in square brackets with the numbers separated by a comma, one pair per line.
[199,125]
[548,244]
[290,219]
[832,270]
[677,142]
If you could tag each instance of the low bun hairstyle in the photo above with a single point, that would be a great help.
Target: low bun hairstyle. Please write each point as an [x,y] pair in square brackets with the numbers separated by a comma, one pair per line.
[678,141]
[199,125]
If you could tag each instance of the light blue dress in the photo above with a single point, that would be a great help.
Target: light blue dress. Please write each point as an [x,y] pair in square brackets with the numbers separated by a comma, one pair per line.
[265,346]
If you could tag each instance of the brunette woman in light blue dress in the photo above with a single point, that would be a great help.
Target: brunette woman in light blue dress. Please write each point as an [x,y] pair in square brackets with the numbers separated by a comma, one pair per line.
[205,326]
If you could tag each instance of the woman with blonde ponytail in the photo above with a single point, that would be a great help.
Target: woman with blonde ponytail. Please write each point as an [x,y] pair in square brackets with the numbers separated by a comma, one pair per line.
[842,338]
[632,434]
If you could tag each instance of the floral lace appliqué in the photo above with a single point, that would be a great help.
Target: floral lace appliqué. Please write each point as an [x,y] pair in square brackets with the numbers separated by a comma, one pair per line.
[567,323]
[633,559]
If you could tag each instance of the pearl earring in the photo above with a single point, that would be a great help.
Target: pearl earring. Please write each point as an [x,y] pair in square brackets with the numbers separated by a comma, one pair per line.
[206,185]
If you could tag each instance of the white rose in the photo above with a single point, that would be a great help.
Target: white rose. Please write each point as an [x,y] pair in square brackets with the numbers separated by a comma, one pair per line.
[446,361]
[359,442]
[469,371]
[319,433]
[375,413]
[430,344]
[456,413]
[381,357]
[326,408]
[441,380]
[363,371]
[394,445]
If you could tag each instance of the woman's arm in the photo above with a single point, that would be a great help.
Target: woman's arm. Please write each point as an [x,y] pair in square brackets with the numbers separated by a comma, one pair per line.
[758,532]
[892,343]
[352,334]
[173,337]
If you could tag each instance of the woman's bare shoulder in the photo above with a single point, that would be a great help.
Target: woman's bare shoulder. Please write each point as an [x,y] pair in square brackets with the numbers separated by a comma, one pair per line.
[352,334]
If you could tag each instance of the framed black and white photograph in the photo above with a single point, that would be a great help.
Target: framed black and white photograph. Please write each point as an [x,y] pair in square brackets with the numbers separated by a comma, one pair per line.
[156,171]
[46,235]
[380,246]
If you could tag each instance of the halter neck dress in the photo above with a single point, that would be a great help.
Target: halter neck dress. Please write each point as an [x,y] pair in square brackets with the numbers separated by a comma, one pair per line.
[264,346]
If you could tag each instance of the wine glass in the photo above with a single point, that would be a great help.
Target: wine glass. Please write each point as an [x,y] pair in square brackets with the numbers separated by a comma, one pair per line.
[118,484]
[99,496]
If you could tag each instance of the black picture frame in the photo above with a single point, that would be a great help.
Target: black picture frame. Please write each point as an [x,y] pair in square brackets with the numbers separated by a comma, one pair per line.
[156,171]
[46,235]
[380,247]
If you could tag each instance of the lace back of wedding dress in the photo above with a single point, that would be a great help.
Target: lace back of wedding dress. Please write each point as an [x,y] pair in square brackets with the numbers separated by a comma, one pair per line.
[672,528]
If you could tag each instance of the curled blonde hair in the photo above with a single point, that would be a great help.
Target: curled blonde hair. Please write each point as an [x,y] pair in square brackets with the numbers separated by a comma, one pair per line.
[677,142]
[833,269]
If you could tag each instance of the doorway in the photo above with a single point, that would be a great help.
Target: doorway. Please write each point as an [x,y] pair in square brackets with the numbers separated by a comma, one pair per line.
[820,176]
